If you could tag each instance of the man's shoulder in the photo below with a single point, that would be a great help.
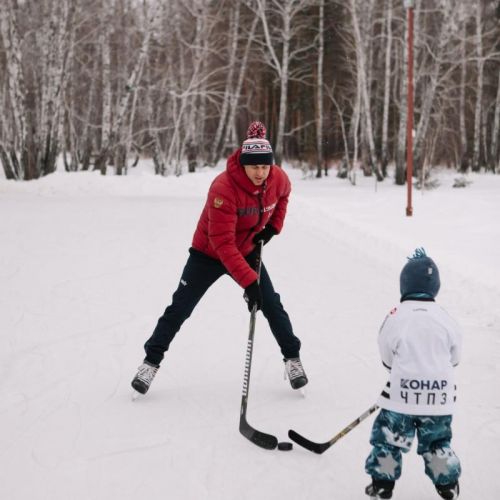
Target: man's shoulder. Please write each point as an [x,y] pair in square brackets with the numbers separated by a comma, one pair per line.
[221,180]
[222,185]
[280,178]
[279,173]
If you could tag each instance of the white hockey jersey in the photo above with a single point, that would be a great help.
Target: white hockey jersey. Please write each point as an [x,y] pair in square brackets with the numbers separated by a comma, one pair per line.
[420,344]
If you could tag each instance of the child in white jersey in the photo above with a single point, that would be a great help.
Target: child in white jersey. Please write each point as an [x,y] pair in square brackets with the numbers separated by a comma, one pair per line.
[419,344]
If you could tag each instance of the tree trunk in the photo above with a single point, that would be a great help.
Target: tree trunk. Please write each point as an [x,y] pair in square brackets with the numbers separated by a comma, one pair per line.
[429,91]
[479,96]
[107,98]
[132,81]
[495,131]
[53,92]
[464,161]
[353,133]
[387,91]
[15,165]
[361,70]
[230,135]
[278,152]
[215,152]
[319,93]
[403,115]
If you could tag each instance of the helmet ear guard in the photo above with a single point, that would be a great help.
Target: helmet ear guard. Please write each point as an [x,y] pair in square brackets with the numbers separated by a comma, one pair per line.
[419,278]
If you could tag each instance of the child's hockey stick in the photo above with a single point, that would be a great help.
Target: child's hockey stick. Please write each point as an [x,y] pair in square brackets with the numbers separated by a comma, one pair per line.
[321,447]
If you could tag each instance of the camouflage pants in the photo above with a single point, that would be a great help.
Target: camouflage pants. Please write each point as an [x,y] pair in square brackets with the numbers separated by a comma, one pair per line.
[393,433]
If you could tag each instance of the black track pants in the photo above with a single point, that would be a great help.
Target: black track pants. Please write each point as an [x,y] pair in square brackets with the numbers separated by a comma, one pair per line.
[199,274]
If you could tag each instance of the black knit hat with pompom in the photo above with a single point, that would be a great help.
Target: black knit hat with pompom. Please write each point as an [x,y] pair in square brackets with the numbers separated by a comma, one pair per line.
[256,149]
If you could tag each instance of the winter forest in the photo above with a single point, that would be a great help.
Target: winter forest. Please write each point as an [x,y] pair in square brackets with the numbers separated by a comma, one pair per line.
[106,82]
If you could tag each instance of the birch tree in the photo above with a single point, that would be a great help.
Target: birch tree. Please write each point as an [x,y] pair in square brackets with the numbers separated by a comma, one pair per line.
[495,132]
[54,37]
[230,134]
[33,147]
[107,93]
[387,90]
[222,119]
[400,174]
[150,18]
[279,50]
[196,100]
[432,57]
[99,79]
[343,172]
[16,153]
[187,88]
[319,89]
[462,88]
[363,83]
[479,95]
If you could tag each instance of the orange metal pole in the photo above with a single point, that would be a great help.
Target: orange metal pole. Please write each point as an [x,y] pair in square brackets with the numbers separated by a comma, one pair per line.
[409,127]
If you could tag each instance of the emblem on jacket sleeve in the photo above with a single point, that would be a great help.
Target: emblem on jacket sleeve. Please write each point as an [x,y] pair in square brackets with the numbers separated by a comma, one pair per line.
[218,202]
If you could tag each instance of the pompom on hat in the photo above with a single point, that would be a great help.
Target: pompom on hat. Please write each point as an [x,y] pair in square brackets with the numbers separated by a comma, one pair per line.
[419,278]
[256,149]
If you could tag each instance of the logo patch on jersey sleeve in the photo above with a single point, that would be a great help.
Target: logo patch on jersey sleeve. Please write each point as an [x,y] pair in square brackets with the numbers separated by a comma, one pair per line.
[218,202]
[393,311]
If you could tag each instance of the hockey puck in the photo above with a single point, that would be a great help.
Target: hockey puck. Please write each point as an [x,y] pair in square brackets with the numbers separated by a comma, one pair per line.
[285,446]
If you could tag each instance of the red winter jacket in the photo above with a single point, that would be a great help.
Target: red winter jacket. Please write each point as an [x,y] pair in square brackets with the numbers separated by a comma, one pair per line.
[235,211]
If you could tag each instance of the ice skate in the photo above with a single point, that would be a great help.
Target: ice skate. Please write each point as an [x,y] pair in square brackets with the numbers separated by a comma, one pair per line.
[142,380]
[295,373]
[380,490]
[448,491]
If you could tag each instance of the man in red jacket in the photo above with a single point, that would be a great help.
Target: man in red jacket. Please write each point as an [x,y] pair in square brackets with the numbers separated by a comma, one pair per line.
[245,204]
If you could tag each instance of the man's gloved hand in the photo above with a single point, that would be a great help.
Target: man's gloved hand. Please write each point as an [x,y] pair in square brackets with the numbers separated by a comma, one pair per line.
[265,235]
[253,296]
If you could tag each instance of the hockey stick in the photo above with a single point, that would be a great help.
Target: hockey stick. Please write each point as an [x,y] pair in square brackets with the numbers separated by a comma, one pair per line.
[259,438]
[321,447]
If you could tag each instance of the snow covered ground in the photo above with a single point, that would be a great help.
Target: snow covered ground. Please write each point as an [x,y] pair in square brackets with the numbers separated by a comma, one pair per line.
[88,263]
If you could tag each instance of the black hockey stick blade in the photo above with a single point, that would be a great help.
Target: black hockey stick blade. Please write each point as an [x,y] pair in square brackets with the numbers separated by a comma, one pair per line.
[266,441]
[307,444]
[322,447]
